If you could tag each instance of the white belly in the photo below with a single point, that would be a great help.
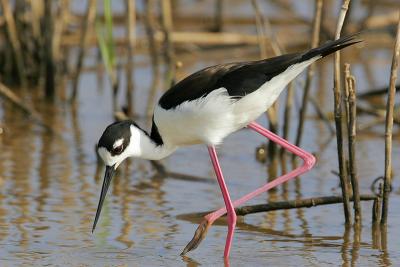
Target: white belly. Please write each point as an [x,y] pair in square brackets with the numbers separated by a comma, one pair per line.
[206,120]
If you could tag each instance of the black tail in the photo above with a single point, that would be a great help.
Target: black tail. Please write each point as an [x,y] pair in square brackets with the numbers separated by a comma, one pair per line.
[332,46]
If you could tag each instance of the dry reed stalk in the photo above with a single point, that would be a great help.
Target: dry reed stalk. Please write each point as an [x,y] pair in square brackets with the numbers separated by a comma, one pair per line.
[262,44]
[13,37]
[389,126]
[49,81]
[271,112]
[286,124]
[59,24]
[83,44]
[36,18]
[131,35]
[218,16]
[352,113]
[150,31]
[263,29]
[36,15]
[339,115]
[310,72]
[169,53]
[287,112]
[346,95]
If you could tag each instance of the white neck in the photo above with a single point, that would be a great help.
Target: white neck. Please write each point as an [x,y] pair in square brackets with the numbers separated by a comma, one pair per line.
[142,146]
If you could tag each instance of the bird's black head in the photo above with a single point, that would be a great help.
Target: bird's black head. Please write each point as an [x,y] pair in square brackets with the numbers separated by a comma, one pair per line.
[115,139]
[113,148]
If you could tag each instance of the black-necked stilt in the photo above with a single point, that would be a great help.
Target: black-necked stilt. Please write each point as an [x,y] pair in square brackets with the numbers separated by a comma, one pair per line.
[206,107]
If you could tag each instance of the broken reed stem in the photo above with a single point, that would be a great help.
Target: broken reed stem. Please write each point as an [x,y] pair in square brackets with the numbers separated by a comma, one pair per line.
[169,53]
[352,113]
[389,126]
[377,207]
[8,94]
[310,71]
[83,44]
[130,6]
[338,117]
[150,30]
[290,204]
[15,43]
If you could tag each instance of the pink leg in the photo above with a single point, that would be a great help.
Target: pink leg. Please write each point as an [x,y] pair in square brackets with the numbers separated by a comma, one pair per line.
[228,203]
[309,161]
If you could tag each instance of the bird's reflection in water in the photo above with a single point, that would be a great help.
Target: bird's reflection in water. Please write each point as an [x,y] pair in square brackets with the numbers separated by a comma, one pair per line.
[190,262]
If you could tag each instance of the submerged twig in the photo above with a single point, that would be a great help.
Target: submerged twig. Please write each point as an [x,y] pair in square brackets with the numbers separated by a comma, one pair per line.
[389,126]
[339,115]
[290,204]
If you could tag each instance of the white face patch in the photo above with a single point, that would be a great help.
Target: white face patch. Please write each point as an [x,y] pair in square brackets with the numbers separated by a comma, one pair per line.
[118,142]
[108,159]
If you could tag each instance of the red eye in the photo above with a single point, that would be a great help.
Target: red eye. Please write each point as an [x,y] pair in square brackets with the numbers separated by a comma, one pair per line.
[118,149]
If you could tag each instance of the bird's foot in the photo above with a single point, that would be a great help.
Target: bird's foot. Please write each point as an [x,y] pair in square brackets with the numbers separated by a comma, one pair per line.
[199,235]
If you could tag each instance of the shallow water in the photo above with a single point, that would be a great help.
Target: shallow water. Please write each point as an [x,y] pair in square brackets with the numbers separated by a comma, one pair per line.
[49,189]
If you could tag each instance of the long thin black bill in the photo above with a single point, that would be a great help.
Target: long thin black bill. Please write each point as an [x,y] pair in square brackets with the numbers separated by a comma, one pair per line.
[106,183]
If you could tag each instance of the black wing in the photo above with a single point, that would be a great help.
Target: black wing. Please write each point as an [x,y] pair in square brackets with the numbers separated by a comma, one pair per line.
[242,78]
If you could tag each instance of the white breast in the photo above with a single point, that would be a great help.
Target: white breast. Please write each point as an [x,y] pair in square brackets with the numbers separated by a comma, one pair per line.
[205,120]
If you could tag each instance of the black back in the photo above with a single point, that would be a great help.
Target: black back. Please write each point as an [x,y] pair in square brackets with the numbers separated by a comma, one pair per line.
[242,78]
[155,134]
